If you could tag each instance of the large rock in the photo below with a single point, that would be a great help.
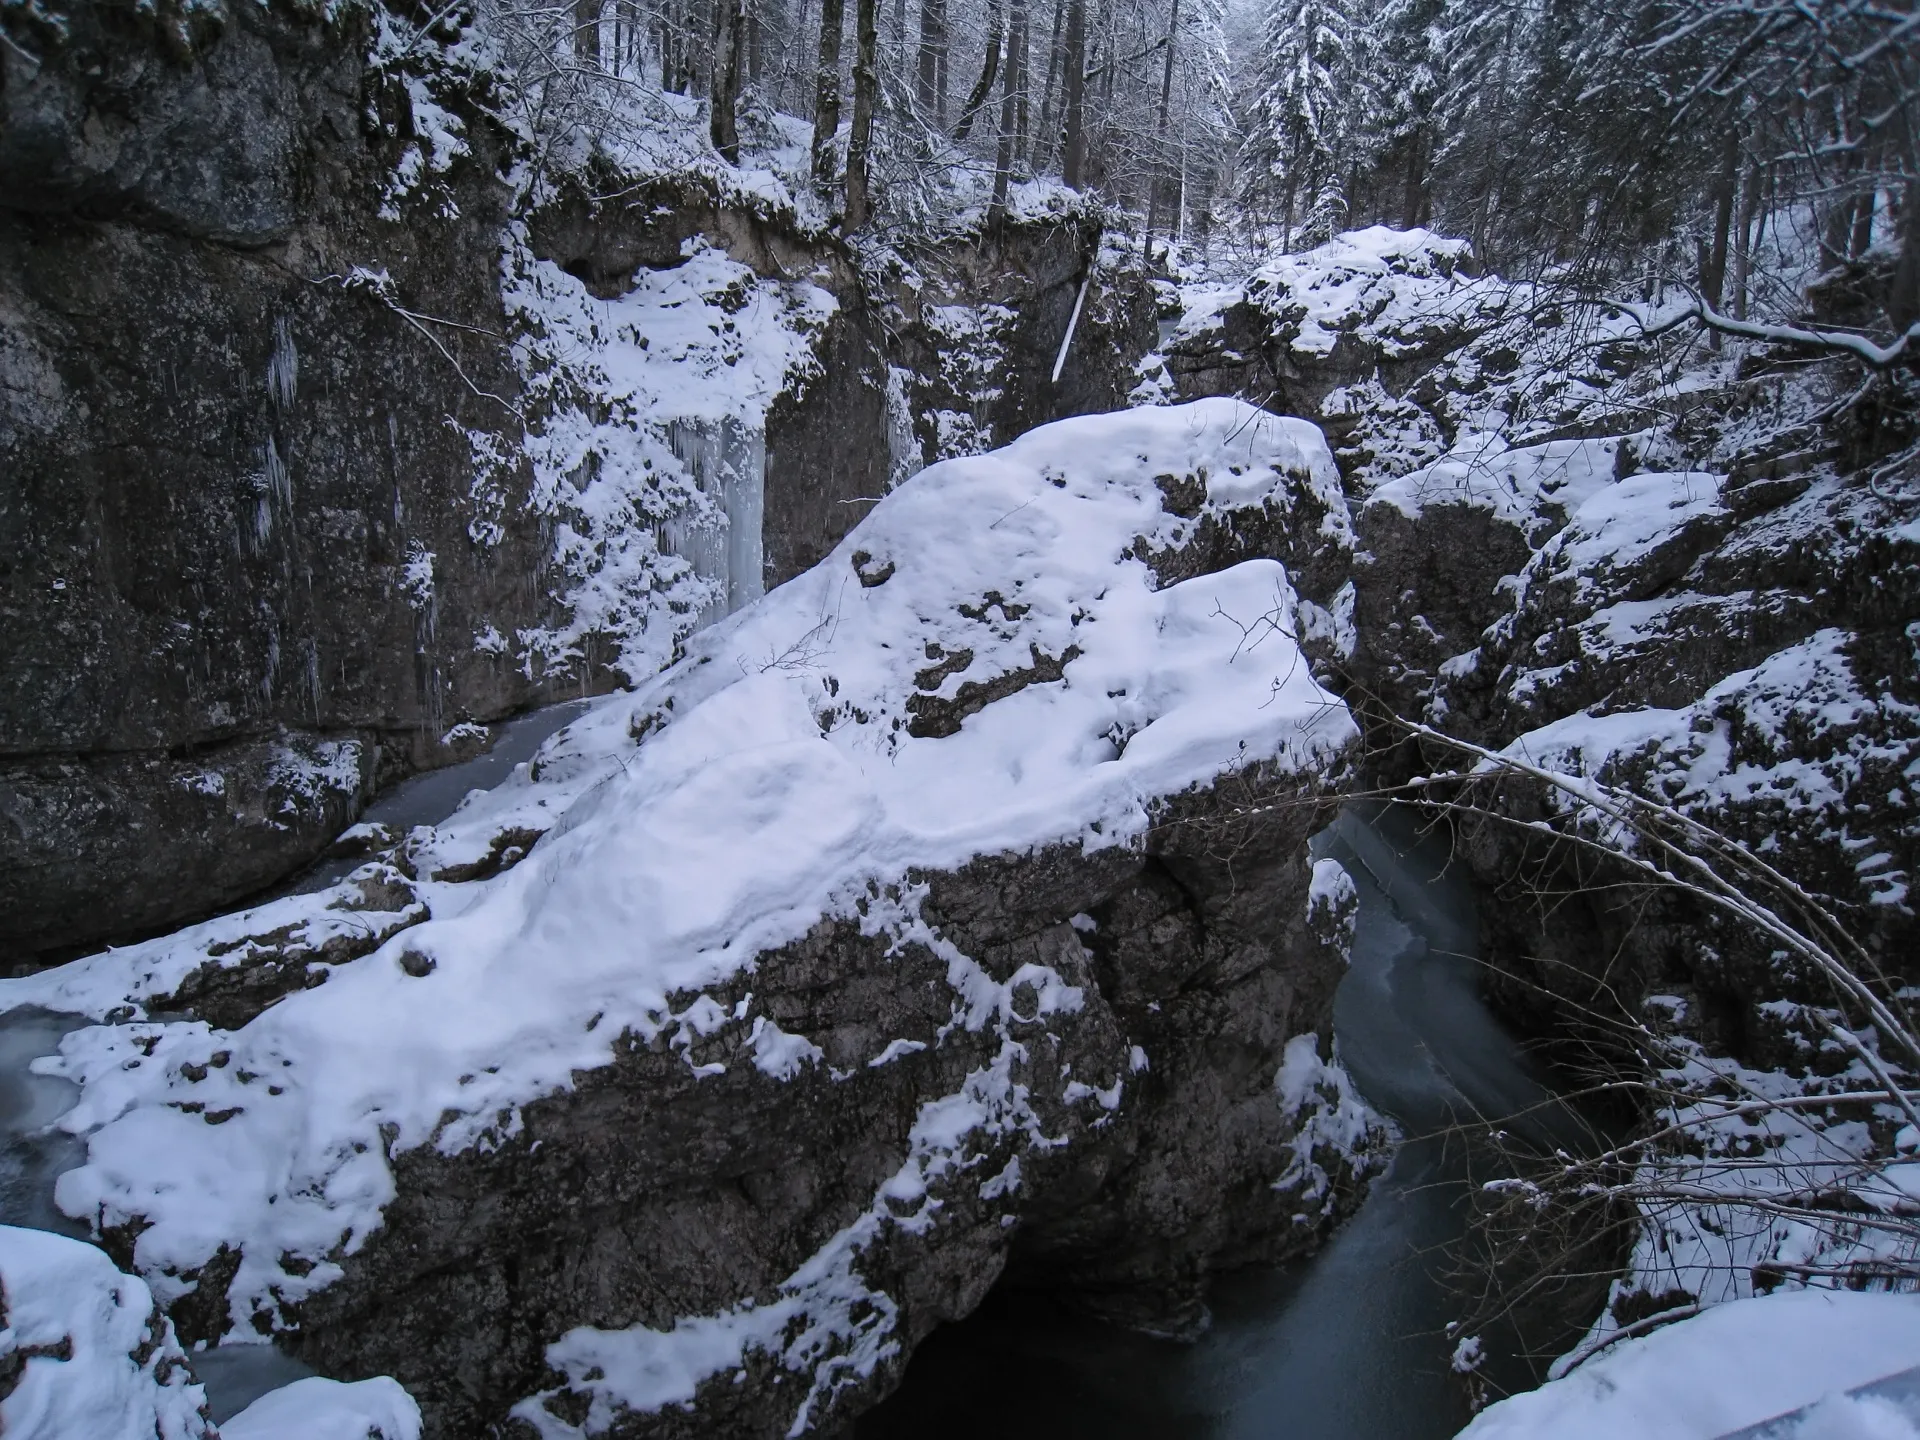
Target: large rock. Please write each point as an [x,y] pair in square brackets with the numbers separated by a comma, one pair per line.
[237,492]
[947,911]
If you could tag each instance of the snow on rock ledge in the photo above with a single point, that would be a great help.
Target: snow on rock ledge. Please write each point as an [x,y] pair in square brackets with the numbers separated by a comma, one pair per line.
[317,1409]
[948,904]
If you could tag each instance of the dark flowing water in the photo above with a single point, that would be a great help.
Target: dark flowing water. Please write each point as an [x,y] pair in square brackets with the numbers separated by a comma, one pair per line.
[1349,1345]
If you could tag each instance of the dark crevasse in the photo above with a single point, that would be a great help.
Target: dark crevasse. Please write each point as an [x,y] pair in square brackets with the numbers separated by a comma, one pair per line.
[1350,1345]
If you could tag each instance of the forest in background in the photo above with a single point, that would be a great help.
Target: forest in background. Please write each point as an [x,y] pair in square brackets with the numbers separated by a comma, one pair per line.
[1681,141]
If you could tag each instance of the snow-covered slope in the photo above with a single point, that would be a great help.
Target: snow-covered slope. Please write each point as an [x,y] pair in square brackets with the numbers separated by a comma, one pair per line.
[1732,1367]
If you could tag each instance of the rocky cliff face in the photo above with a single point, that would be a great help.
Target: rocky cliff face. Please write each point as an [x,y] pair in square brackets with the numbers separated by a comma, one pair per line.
[238,580]
[1687,572]
[304,475]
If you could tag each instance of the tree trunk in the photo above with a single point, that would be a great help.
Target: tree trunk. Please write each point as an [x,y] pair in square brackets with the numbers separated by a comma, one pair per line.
[1713,274]
[1743,238]
[729,53]
[989,69]
[1017,78]
[1415,209]
[586,31]
[670,48]
[866,91]
[1156,161]
[1862,240]
[1049,131]
[1009,118]
[826,91]
[932,88]
[1073,164]
[1903,301]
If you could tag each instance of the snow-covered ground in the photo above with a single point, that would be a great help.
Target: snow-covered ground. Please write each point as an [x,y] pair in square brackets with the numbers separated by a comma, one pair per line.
[1732,1367]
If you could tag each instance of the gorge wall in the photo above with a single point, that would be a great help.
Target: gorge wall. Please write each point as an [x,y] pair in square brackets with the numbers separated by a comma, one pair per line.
[304,477]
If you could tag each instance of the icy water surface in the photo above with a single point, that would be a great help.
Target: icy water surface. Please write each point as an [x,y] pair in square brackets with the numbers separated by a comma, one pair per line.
[1349,1345]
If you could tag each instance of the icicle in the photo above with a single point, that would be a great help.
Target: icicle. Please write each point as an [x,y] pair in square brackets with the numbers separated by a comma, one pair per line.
[283,367]
[1073,322]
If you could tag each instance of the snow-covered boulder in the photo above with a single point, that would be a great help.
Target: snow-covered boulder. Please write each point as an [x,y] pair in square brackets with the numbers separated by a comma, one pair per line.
[85,1354]
[1398,346]
[947,909]
[1301,326]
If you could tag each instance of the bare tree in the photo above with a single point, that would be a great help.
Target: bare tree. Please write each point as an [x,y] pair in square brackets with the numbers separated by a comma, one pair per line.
[932,91]
[989,70]
[1074,157]
[826,91]
[729,56]
[1011,89]
[866,92]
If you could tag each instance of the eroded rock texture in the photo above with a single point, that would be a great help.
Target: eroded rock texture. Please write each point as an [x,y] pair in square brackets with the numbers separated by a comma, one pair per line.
[274,482]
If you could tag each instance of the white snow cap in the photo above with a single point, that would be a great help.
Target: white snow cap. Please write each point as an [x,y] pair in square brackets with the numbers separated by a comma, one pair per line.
[319,1409]
[99,1362]
[1727,1368]
[805,755]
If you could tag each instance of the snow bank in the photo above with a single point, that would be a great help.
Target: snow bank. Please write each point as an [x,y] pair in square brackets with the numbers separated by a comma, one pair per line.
[1532,486]
[96,1359]
[984,665]
[1733,1366]
[319,1409]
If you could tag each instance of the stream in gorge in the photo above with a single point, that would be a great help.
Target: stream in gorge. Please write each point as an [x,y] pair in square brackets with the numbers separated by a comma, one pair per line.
[1345,1345]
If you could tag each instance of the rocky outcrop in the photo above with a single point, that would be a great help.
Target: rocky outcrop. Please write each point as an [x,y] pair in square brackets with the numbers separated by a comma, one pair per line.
[1706,611]
[980,318]
[685,1081]
[241,585]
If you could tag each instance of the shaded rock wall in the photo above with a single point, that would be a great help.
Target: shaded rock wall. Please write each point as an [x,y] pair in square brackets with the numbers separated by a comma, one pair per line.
[256,499]
[234,492]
